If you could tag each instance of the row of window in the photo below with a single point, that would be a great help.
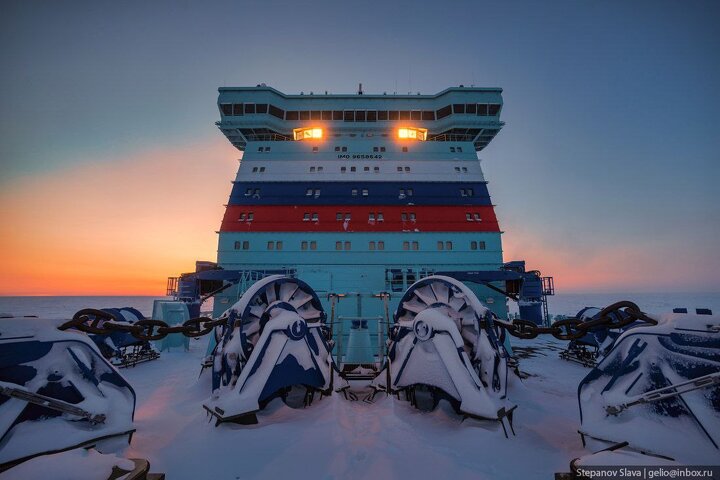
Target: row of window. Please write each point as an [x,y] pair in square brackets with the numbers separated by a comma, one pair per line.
[315,192]
[478,109]
[316,168]
[372,217]
[372,245]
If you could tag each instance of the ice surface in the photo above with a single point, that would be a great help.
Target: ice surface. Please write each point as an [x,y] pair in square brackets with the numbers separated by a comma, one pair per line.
[78,464]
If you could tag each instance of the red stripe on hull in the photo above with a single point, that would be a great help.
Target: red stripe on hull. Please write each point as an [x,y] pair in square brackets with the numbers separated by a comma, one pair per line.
[291,218]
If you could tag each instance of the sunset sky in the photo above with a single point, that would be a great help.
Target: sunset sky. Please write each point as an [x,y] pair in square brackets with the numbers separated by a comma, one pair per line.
[113,175]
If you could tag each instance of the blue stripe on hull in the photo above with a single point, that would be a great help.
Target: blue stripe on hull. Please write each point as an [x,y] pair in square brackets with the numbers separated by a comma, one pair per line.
[360,193]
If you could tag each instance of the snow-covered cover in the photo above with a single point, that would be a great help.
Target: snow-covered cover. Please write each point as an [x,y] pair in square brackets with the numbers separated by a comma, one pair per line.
[65,361]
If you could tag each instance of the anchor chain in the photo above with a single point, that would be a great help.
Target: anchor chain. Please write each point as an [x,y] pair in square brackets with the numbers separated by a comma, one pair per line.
[99,322]
[626,312]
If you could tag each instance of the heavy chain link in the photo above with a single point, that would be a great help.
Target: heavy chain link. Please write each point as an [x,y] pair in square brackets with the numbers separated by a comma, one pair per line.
[99,322]
[573,328]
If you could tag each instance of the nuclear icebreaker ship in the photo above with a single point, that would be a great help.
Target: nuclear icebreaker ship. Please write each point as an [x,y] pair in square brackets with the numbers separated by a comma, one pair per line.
[360,196]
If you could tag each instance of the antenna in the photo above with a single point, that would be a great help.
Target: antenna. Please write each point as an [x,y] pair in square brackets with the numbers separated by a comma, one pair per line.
[360,92]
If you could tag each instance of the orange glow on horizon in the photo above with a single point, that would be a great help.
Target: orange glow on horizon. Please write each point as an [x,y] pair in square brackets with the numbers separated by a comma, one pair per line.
[117,226]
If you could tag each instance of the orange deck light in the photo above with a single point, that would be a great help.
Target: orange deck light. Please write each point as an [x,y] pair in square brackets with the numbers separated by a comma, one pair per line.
[408,133]
[313,133]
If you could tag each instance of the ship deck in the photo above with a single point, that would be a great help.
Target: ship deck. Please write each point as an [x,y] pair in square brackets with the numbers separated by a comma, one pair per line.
[337,438]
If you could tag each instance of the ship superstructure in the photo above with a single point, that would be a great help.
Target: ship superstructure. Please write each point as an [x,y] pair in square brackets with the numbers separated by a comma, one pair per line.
[360,196]
[360,193]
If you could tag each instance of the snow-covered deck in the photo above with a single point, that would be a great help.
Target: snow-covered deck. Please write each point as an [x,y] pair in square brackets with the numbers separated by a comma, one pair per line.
[339,439]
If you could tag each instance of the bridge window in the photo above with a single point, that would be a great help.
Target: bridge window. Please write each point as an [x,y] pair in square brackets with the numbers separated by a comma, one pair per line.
[291,116]
[493,109]
[443,112]
[471,108]
[327,114]
[226,108]
[382,115]
[416,115]
[482,109]
[337,115]
[393,114]
[360,115]
[371,116]
[277,112]
[459,108]
[304,115]
[428,115]
[315,115]
[405,115]
[349,115]
[261,108]
[249,108]
[237,109]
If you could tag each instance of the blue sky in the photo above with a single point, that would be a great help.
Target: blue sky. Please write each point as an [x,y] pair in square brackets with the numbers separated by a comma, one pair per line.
[611,107]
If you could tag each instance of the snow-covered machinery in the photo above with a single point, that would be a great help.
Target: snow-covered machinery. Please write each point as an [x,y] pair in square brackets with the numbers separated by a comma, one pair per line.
[658,389]
[57,392]
[597,341]
[275,344]
[444,345]
[120,348]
